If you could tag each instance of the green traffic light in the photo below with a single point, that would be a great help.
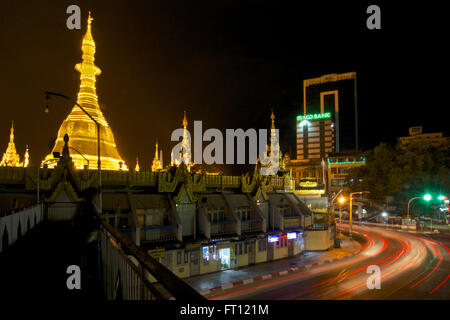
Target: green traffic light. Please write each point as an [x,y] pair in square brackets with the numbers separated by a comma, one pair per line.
[427,197]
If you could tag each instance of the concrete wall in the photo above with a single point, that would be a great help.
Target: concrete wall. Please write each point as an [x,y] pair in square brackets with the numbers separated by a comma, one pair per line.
[279,253]
[318,240]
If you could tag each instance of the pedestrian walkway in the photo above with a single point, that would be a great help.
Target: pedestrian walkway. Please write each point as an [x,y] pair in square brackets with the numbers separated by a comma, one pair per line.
[35,266]
[228,277]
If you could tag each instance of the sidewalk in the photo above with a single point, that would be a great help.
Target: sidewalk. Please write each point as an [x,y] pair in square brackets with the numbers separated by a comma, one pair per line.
[226,279]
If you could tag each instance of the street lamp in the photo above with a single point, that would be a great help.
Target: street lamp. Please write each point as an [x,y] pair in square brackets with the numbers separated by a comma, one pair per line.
[426,197]
[99,168]
[350,210]
[409,202]
[341,201]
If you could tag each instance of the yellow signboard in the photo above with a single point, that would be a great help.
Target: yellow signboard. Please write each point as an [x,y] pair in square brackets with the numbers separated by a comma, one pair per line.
[157,253]
[292,222]
[192,246]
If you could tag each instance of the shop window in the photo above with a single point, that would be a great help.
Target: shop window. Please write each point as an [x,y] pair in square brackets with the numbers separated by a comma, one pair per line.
[205,255]
[245,248]
[186,258]
[178,257]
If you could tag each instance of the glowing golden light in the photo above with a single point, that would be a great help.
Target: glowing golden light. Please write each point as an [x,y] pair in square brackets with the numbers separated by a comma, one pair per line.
[80,128]
[342,200]
[10,157]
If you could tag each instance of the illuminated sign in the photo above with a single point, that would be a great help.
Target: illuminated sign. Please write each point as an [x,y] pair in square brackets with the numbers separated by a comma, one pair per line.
[316,116]
[292,235]
[308,184]
[273,239]
[157,253]
[291,222]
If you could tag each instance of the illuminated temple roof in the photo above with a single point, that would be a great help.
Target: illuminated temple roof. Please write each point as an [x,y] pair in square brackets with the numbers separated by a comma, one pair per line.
[10,157]
[81,129]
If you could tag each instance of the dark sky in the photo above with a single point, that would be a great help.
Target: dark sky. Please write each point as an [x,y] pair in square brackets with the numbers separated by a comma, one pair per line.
[226,63]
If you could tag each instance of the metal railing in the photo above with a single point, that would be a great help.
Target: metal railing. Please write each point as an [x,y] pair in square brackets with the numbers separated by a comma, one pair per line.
[127,271]
[223,227]
[255,225]
[26,218]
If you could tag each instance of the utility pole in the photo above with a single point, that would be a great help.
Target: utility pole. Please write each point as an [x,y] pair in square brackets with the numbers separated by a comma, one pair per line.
[350,209]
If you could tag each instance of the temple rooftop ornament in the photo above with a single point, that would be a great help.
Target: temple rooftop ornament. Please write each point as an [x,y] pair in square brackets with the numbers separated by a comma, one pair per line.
[157,161]
[10,157]
[137,164]
[81,129]
[185,156]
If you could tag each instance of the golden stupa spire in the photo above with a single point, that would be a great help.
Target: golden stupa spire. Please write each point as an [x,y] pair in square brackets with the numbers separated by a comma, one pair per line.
[185,122]
[81,129]
[10,157]
[272,116]
[26,158]
[156,164]
[185,151]
[137,164]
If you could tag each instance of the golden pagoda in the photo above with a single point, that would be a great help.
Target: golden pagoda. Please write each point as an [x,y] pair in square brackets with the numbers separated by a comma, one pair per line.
[185,151]
[157,163]
[10,157]
[137,164]
[81,129]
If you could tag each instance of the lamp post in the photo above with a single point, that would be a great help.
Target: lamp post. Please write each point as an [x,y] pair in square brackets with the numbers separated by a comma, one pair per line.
[341,201]
[350,209]
[409,202]
[99,168]
[80,155]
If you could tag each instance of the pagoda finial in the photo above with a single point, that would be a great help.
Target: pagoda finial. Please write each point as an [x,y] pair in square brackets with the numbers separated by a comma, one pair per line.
[137,164]
[272,116]
[90,19]
[11,136]
[185,123]
[156,149]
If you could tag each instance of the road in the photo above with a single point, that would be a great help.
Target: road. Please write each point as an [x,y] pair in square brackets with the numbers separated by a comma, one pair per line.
[412,266]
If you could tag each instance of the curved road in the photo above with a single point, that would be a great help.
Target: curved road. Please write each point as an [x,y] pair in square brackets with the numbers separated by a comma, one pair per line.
[412,266]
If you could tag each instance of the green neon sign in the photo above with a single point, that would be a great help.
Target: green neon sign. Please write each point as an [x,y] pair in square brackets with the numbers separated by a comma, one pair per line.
[315,116]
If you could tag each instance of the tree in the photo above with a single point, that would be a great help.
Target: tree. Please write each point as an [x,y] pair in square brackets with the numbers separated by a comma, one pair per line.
[397,175]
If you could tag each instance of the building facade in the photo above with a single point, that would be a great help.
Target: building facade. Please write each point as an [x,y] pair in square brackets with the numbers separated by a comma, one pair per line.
[339,164]
[417,137]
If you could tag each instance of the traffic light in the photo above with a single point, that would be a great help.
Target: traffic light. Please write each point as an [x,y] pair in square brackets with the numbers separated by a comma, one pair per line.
[442,197]
[427,197]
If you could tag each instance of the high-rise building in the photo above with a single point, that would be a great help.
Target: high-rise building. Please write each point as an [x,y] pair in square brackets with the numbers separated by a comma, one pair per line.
[329,120]
[81,129]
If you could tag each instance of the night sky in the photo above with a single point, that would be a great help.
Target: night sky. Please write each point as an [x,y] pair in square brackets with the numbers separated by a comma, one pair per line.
[226,63]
